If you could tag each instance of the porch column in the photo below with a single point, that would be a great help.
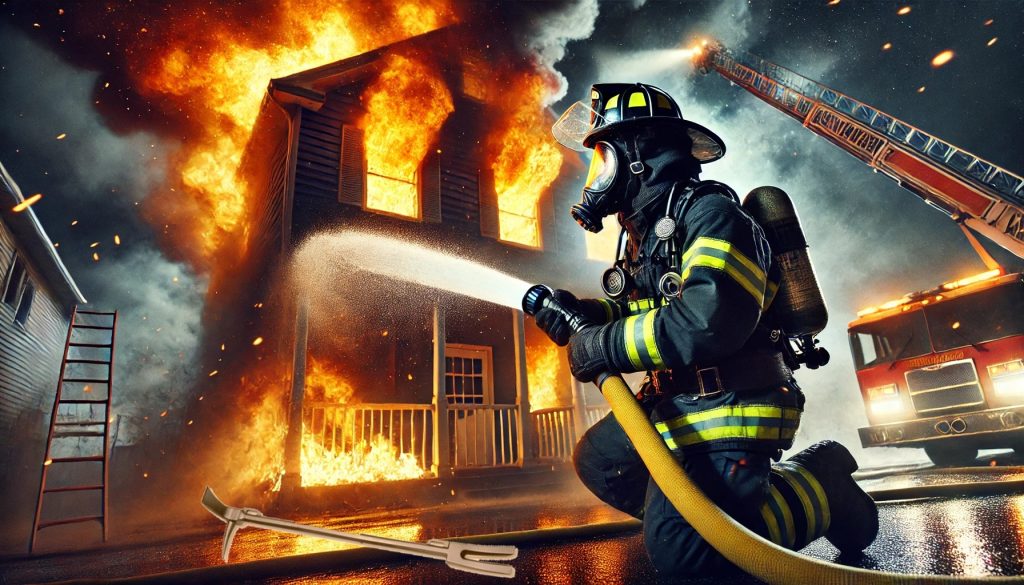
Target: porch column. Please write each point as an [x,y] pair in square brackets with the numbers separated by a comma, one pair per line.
[441,463]
[526,430]
[293,440]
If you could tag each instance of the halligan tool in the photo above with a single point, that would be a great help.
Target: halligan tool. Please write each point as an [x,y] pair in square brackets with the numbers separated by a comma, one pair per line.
[481,559]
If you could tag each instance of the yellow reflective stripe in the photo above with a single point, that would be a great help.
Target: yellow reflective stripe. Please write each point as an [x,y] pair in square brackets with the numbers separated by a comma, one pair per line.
[627,334]
[727,247]
[637,100]
[735,432]
[820,493]
[609,312]
[612,102]
[724,411]
[770,290]
[803,496]
[773,524]
[662,102]
[787,517]
[642,305]
[650,342]
[721,264]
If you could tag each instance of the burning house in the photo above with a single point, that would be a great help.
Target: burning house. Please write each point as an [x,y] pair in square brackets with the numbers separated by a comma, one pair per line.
[421,141]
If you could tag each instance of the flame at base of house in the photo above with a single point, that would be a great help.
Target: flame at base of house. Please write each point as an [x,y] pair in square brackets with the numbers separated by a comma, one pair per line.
[366,461]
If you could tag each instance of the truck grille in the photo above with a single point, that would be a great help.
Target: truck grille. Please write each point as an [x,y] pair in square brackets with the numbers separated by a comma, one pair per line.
[944,387]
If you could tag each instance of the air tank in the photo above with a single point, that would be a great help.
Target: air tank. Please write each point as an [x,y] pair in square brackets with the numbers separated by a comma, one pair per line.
[798,306]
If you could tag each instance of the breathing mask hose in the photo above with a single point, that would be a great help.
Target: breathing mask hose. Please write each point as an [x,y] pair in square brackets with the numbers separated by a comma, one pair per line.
[758,557]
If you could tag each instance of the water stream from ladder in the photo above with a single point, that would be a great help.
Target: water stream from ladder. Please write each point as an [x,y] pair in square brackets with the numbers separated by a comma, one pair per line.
[417,264]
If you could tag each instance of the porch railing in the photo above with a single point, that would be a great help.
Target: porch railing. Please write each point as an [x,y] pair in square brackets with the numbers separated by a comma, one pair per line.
[339,428]
[484,435]
[556,433]
[596,413]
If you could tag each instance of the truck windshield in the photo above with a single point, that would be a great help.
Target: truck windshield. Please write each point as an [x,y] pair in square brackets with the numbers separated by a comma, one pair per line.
[894,338]
[983,316]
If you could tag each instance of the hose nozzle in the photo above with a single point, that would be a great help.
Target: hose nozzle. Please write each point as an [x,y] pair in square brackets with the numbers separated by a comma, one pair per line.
[541,296]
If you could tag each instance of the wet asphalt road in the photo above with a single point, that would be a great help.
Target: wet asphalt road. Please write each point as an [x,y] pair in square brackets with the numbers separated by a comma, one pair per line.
[955,536]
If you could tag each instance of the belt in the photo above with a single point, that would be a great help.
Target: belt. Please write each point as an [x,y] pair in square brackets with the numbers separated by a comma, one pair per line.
[736,374]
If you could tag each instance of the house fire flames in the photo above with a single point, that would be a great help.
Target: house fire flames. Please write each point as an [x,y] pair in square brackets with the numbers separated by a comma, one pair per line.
[422,141]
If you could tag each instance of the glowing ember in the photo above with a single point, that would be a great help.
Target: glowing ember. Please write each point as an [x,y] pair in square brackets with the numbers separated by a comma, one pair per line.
[543,369]
[528,162]
[920,89]
[405,106]
[219,82]
[886,46]
[989,22]
[942,58]
[27,203]
[992,41]
[833,2]
[257,341]
[117,240]
[903,11]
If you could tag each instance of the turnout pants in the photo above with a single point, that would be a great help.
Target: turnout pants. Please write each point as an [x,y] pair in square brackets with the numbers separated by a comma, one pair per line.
[738,481]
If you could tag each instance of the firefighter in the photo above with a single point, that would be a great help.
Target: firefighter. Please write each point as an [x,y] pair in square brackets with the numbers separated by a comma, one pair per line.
[689,302]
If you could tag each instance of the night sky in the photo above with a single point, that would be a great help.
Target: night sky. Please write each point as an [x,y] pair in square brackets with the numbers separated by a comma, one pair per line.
[870,240]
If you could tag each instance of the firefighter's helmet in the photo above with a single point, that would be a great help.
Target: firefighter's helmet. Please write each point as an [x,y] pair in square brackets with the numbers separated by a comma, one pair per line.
[625,106]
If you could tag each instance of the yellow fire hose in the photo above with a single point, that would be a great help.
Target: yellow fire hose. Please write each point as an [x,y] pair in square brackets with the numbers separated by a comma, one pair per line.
[748,551]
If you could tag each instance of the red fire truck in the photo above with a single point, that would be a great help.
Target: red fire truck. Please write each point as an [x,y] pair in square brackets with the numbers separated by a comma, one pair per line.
[941,369]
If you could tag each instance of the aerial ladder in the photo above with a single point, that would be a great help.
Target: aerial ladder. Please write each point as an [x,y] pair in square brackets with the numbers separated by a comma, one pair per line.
[940,369]
[970,190]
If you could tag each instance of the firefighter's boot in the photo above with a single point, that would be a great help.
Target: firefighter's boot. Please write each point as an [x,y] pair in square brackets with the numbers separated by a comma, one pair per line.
[812,494]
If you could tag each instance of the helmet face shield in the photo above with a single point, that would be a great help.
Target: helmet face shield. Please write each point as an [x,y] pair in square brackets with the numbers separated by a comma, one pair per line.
[574,124]
[604,165]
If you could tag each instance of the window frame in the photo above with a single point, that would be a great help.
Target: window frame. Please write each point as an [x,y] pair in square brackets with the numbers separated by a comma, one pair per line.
[9,285]
[466,351]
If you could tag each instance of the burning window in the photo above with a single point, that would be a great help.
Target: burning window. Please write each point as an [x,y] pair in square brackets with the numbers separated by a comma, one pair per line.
[405,107]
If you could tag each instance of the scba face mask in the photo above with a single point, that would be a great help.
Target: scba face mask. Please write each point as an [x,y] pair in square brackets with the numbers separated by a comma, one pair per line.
[607,187]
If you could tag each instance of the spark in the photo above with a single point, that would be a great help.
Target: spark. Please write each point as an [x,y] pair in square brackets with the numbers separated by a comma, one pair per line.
[117,240]
[222,347]
[27,203]
[989,22]
[145,475]
[833,2]
[163,414]
[47,462]
[94,244]
[257,341]
[992,41]
[903,11]
[886,46]
[409,376]
[189,422]
[956,325]
[384,333]
[942,58]
[214,373]
[95,257]
[920,89]
[74,222]
[62,135]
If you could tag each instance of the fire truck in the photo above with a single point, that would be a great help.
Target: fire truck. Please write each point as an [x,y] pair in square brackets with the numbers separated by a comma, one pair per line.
[940,369]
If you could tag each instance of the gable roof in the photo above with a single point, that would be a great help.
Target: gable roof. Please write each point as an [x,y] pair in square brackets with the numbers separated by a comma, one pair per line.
[35,245]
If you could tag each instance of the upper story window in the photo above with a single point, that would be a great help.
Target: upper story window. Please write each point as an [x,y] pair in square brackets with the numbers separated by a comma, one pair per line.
[19,292]
[13,281]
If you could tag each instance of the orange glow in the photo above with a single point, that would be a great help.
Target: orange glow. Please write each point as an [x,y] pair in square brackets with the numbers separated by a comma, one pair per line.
[886,46]
[942,58]
[973,279]
[219,84]
[406,106]
[543,369]
[27,203]
[903,11]
[327,462]
[527,164]
[991,41]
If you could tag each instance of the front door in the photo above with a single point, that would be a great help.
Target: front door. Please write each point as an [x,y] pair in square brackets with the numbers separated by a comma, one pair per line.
[469,387]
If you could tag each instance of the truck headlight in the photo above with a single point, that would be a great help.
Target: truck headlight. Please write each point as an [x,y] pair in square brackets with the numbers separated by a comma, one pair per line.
[1008,378]
[885,400]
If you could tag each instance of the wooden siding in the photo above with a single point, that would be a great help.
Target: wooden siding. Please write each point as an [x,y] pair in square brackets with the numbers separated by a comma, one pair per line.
[30,354]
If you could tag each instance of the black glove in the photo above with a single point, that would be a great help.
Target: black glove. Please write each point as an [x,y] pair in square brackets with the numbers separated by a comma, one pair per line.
[589,353]
[552,322]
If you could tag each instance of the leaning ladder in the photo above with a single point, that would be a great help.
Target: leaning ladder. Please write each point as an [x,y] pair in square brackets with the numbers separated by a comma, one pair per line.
[75,389]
